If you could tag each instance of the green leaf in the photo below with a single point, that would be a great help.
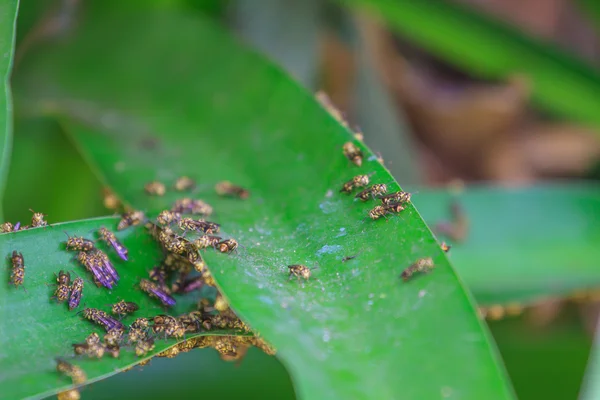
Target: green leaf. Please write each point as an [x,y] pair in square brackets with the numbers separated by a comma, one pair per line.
[490,49]
[35,329]
[524,244]
[8,17]
[142,108]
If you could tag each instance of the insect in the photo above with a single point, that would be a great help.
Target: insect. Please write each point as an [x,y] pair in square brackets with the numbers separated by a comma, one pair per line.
[106,263]
[372,191]
[227,245]
[72,394]
[154,291]
[112,240]
[166,217]
[159,275]
[191,206]
[189,285]
[110,200]
[171,326]
[142,347]
[189,224]
[206,241]
[423,265]
[396,197]
[17,275]
[93,338]
[353,153]
[177,244]
[6,227]
[102,318]
[72,371]
[381,211]
[96,267]
[37,220]
[445,247]
[94,350]
[300,271]
[155,188]
[356,182]
[226,188]
[124,307]
[62,289]
[111,341]
[131,219]
[184,183]
[348,258]
[192,322]
[77,243]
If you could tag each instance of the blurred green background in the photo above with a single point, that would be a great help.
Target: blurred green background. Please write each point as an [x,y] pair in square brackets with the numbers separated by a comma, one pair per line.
[545,350]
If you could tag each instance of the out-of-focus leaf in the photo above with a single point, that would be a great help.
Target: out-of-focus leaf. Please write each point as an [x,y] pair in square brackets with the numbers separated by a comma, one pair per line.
[378,113]
[48,175]
[287,31]
[142,108]
[8,17]
[489,49]
[545,363]
[523,244]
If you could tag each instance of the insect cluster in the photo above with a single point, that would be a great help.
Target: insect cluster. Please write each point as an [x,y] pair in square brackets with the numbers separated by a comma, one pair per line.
[37,221]
[186,184]
[95,260]
[390,204]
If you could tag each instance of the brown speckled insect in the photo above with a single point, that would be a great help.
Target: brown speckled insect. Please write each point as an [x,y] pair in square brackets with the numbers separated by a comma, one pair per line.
[113,242]
[72,394]
[153,290]
[445,247]
[131,219]
[37,220]
[72,371]
[206,241]
[17,275]
[372,191]
[356,182]
[142,347]
[300,271]
[77,243]
[422,265]
[396,197]
[353,153]
[189,224]
[6,227]
[124,307]
[184,183]
[76,293]
[226,188]
[381,211]
[63,282]
[227,245]
[155,188]
[191,206]
[92,350]
[166,217]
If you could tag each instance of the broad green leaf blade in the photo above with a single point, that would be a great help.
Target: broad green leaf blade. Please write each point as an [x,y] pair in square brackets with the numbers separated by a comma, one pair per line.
[209,109]
[8,17]
[489,49]
[35,329]
[524,244]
